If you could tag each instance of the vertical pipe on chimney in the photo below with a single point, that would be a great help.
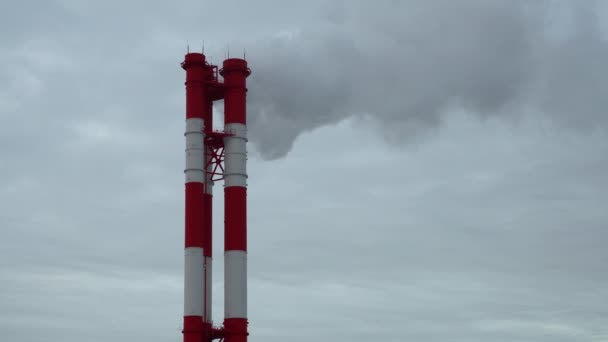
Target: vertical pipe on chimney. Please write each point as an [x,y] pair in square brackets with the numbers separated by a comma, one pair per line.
[208,203]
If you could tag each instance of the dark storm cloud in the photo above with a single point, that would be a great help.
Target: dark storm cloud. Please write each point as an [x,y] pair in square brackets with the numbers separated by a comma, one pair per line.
[406,63]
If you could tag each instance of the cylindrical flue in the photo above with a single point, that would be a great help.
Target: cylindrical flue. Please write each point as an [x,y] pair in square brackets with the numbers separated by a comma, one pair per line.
[194,273]
[235,72]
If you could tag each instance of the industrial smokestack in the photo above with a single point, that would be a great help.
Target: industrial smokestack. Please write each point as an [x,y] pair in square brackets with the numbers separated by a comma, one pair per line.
[194,269]
[235,72]
[212,156]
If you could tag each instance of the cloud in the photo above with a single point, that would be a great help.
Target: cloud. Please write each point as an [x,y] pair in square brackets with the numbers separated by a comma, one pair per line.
[490,229]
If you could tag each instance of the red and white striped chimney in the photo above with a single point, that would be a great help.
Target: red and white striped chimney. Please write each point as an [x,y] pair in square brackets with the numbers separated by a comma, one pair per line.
[194,272]
[235,72]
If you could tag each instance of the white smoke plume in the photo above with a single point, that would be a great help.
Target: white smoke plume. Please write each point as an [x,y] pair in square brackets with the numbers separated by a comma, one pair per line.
[405,64]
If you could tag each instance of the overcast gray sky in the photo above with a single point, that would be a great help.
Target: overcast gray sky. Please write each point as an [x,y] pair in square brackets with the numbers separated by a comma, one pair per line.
[419,170]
